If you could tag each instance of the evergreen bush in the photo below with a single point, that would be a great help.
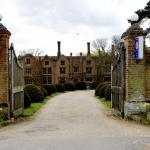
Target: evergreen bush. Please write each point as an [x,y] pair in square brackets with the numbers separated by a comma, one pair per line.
[60,87]
[107,93]
[97,90]
[45,93]
[102,90]
[48,88]
[53,88]
[69,86]
[27,99]
[34,92]
[93,85]
[80,85]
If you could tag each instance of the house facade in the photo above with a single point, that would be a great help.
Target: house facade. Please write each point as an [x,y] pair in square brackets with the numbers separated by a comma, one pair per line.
[63,69]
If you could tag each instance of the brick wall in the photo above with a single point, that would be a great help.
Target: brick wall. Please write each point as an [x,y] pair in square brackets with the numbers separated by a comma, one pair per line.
[37,64]
[137,74]
[4,74]
[134,71]
[147,72]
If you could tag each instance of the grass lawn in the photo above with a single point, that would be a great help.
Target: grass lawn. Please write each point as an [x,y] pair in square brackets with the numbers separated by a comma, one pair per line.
[103,101]
[36,106]
[3,120]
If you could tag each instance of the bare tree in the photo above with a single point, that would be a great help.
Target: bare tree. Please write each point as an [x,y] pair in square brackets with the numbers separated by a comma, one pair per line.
[116,39]
[100,44]
[34,52]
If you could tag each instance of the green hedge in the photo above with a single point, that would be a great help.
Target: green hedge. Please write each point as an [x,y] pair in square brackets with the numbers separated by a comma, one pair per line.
[47,87]
[34,92]
[80,86]
[107,92]
[69,86]
[27,99]
[93,85]
[53,88]
[102,91]
[44,91]
[60,87]
[97,90]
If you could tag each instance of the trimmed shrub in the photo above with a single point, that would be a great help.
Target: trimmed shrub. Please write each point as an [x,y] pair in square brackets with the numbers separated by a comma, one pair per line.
[45,93]
[102,91]
[69,86]
[34,92]
[93,85]
[97,90]
[108,93]
[60,87]
[48,88]
[53,88]
[27,99]
[80,86]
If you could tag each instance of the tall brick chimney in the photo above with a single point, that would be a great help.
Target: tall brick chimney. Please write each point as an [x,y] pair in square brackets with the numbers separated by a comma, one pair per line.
[4,66]
[88,49]
[59,48]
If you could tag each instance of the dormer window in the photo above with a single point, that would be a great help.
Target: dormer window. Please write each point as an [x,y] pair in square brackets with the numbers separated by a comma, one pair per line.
[62,62]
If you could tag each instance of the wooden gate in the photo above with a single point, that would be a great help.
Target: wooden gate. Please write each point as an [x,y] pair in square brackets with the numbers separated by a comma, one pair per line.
[118,84]
[16,84]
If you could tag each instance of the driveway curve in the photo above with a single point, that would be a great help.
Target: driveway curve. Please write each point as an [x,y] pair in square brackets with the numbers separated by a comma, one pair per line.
[75,121]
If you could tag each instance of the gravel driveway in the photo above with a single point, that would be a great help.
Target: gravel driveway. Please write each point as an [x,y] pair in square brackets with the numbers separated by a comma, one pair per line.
[75,121]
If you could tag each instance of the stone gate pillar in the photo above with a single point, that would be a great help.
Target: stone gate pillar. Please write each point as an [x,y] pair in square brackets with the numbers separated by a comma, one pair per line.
[4,73]
[134,73]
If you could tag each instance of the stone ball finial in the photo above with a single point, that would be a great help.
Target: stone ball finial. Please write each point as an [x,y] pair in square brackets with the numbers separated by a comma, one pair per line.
[133,18]
[1,17]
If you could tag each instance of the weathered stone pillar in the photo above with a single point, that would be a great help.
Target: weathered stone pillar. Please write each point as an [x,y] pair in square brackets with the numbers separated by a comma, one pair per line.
[134,73]
[4,73]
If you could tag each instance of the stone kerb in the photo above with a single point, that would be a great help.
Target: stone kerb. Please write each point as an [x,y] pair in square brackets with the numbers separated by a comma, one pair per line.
[134,73]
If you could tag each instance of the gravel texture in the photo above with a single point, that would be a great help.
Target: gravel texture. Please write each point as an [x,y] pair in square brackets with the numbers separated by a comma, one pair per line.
[75,121]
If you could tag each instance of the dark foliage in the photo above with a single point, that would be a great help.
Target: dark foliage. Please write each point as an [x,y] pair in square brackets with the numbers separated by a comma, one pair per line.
[27,99]
[102,91]
[69,86]
[107,92]
[60,87]
[143,13]
[53,88]
[80,86]
[93,85]
[34,92]
[97,90]
[47,87]
[45,93]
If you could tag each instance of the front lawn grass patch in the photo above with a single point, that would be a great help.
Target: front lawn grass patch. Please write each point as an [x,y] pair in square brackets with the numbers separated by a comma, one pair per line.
[105,102]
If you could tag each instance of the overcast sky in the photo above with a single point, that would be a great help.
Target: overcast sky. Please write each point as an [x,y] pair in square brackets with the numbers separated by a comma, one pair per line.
[39,24]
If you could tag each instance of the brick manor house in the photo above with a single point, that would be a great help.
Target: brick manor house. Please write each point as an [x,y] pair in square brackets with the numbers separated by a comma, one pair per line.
[61,69]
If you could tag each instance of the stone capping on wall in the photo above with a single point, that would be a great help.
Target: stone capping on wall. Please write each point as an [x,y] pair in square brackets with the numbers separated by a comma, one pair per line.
[3,30]
[134,30]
